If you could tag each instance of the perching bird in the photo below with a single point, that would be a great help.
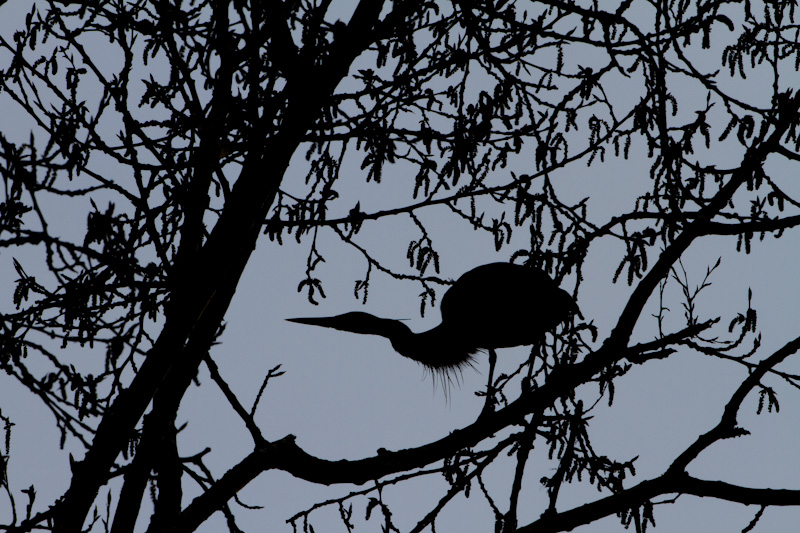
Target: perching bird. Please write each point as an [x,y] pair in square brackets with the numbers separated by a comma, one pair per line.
[498,305]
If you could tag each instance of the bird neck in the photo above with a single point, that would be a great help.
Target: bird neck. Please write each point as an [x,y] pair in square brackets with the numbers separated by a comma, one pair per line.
[439,349]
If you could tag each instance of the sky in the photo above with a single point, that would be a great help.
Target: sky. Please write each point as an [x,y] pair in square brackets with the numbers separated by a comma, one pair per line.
[344,395]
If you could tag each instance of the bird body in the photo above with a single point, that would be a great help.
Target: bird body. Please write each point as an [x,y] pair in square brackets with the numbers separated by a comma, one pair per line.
[498,305]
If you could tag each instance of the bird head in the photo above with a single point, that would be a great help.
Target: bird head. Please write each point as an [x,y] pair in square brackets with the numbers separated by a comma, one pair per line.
[357,322]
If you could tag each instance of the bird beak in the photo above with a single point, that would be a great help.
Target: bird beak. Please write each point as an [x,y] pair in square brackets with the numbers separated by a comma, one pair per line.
[312,321]
[335,322]
[355,322]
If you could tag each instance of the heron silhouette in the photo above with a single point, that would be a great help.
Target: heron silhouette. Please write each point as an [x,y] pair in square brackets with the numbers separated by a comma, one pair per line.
[498,305]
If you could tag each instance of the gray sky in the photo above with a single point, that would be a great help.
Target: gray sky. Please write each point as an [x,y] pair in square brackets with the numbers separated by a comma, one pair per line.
[344,395]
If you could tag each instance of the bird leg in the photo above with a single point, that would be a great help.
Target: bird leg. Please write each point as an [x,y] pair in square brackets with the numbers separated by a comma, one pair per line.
[488,407]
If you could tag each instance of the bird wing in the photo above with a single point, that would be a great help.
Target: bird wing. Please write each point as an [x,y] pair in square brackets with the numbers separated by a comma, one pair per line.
[502,304]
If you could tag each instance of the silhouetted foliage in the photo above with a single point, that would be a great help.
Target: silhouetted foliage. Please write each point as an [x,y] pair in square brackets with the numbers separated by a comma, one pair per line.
[185,132]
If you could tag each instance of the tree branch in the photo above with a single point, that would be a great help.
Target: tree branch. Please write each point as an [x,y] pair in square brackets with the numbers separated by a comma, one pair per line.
[727,424]
[751,163]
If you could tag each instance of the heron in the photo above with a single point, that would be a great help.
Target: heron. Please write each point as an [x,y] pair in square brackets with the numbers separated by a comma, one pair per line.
[498,305]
